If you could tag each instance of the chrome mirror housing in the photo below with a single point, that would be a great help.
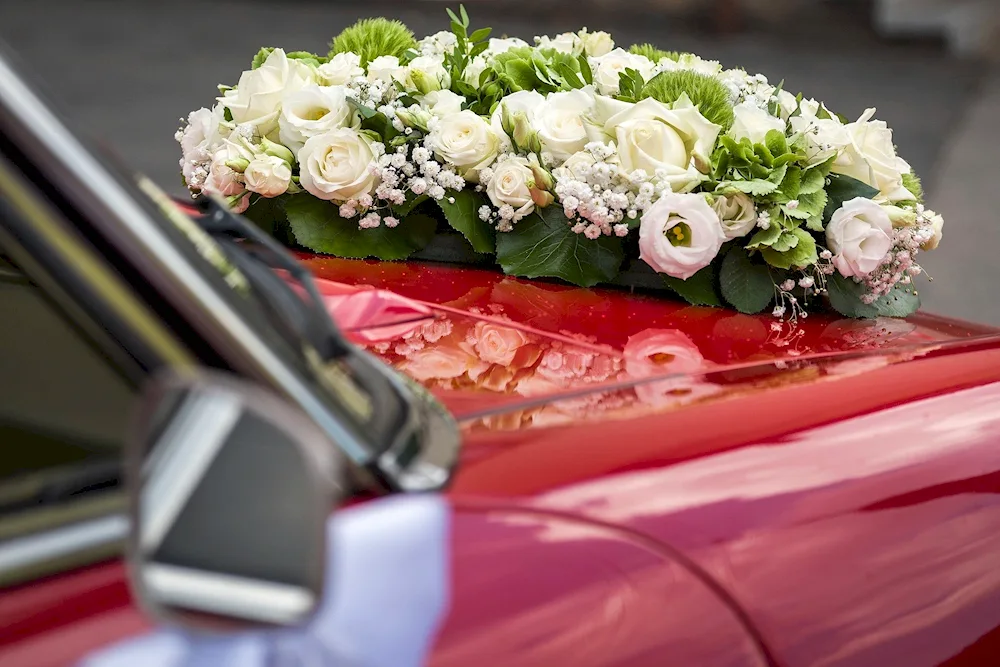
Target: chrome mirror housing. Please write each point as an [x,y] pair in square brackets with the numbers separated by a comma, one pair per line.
[230,490]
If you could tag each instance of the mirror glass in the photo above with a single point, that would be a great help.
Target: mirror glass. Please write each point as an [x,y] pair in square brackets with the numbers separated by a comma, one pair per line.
[232,491]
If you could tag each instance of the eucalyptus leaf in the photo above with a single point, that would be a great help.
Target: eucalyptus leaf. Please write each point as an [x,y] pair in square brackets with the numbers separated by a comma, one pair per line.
[317,225]
[746,286]
[543,245]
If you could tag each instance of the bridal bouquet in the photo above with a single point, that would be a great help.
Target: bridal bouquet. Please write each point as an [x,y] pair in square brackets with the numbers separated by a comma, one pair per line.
[571,158]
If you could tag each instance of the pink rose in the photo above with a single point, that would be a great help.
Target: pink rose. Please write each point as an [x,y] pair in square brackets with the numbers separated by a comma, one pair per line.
[496,344]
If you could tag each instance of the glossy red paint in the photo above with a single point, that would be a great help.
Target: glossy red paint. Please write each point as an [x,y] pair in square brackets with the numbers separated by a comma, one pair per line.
[646,483]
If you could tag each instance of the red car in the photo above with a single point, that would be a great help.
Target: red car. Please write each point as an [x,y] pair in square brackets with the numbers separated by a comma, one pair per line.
[639,482]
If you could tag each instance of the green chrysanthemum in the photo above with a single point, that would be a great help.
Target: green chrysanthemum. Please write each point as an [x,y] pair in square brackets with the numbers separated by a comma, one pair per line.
[653,53]
[371,38]
[706,92]
[912,183]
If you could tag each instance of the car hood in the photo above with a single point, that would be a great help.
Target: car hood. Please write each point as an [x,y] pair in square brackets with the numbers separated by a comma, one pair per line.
[505,353]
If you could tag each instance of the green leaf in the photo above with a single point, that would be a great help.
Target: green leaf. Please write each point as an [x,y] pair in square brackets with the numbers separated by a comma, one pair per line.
[801,255]
[776,142]
[747,286]
[463,216]
[791,184]
[480,35]
[412,201]
[755,188]
[814,204]
[698,290]
[785,242]
[845,297]
[813,180]
[765,237]
[844,188]
[265,213]
[261,56]
[543,245]
[317,225]
[588,74]
[901,301]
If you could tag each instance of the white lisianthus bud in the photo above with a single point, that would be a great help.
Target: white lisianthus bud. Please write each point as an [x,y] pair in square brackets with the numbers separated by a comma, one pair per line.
[511,184]
[465,140]
[596,44]
[268,176]
[336,166]
[524,101]
[442,102]
[900,217]
[314,110]
[385,68]
[474,69]
[340,70]
[680,234]
[738,214]
[608,68]
[753,123]
[424,74]
[560,122]
[256,100]
[859,236]
[277,150]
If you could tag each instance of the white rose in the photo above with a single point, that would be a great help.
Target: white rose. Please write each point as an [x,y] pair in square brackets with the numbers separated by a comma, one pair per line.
[679,235]
[738,214]
[789,103]
[442,102]
[870,157]
[596,44]
[314,110]
[439,43]
[753,123]
[336,165]
[503,45]
[608,67]
[577,167]
[696,63]
[668,142]
[256,100]
[525,101]
[465,140]
[859,236]
[473,70]
[385,68]
[511,184]
[567,42]
[559,121]
[340,70]
[823,137]
[424,74]
[223,180]
[937,224]
[268,176]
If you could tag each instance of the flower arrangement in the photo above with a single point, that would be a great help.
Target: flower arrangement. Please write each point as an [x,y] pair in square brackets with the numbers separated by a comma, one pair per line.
[571,158]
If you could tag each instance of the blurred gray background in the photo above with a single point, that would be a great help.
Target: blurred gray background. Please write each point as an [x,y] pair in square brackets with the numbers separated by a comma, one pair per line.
[126,72]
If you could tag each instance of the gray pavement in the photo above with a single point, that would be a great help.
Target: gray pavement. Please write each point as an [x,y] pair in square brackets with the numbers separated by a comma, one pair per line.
[126,72]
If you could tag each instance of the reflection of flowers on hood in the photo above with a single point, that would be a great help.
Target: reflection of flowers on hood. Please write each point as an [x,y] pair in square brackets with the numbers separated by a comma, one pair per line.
[663,352]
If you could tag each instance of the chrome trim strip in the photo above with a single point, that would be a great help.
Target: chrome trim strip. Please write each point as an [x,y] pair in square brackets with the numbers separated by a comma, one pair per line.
[27,551]
[226,595]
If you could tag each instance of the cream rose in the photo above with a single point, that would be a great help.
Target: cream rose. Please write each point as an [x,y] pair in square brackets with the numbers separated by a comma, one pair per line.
[511,184]
[596,44]
[559,121]
[859,236]
[385,68]
[870,156]
[567,42]
[465,140]
[679,235]
[503,45]
[608,67]
[336,165]
[314,110]
[256,100]
[577,167]
[268,176]
[496,344]
[340,70]
[737,213]
[658,139]
[753,123]
[442,102]
[937,224]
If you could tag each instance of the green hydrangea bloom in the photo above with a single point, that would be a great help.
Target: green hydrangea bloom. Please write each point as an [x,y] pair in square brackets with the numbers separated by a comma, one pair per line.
[371,38]
[706,92]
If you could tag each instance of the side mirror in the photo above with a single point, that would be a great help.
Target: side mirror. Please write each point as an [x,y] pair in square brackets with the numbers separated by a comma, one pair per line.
[230,490]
